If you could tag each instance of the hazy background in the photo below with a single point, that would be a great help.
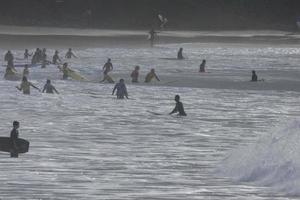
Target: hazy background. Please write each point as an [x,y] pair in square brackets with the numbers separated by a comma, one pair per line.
[140,14]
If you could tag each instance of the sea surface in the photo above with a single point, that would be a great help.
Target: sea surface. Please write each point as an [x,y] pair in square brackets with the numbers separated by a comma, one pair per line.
[86,144]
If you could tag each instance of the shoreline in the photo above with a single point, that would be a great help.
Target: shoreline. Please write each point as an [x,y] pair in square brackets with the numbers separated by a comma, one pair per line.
[29,37]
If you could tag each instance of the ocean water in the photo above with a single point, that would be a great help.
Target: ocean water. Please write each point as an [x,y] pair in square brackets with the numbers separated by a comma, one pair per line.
[86,144]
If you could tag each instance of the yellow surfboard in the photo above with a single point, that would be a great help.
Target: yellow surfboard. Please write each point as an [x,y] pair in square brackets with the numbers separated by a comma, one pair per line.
[73,74]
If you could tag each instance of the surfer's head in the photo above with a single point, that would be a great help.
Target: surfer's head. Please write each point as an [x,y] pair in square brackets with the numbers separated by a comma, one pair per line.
[48,81]
[177,97]
[152,70]
[137,67]
[121,80]
[16,124]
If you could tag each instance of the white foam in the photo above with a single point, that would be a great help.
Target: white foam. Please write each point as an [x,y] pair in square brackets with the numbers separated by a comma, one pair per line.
[273,161]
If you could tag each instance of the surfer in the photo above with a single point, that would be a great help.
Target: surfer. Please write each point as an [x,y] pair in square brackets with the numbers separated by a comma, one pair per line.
[26,71]
[9,73]
[69,54]
[163,21]
[65,71]
[151,37]
[25,86]
[14,135]
[179,107]
[56,58]
[135,74]
[202,66]
[151,75]
[44,58]
[49,88]
[27,54]
[254,76]
[179,54]
[9,58]
[121,90]
[107,68]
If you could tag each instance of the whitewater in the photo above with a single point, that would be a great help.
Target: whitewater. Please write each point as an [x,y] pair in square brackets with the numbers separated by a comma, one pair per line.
[239,141]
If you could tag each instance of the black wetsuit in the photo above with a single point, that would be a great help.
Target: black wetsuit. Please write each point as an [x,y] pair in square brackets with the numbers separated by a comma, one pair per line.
[179,108]
[49,88]
[254,77]
[14,135]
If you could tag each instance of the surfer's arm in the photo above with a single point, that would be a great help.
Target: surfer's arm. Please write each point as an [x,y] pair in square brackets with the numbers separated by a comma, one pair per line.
[19,88]
[35,87]
[114,90]
[156,77]
[55,90]
[44,89]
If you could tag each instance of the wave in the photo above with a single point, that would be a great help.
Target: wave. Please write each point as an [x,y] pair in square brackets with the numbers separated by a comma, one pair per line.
[273,161]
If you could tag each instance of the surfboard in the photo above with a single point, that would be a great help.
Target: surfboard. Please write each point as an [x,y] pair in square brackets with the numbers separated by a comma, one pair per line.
[73,74]
[23,145]
[171,59]
[154,113]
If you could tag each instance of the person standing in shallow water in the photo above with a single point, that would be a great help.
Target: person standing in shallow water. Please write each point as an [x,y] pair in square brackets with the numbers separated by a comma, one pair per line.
[14,135]
[49,88]
[179,54]
[121,90]
[70,54]
[202,66]
[25,86]
[254,76]
[107,68]
[150,76]
[179,107]
[135,74]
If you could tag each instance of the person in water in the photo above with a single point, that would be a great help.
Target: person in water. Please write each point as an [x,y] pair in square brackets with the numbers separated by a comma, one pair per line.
[9,58]
[179,54]
[107,68]
[152,34]
[56,58]
[179,107]
[14,135]
[49,88]
[26,71]
[44,58]
[135,74]
[65,71]
[27,54]
[9,73]
[202,66]
[25,86]
[70,54]
[121,90]
[150,76]
[254,76]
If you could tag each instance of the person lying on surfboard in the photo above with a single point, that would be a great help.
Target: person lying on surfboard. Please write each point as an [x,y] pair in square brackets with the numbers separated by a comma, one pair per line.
[49,88]
[25,86]
[121,90]
[179,107]
[150,76]
[14,135]
[70,54]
